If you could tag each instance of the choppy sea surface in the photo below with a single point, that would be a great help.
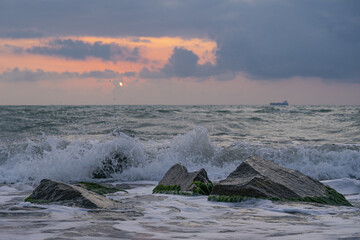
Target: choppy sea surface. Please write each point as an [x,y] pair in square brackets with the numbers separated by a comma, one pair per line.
[67,143]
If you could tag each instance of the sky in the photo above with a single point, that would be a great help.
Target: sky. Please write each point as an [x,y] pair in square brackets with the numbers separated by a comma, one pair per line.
[179,52]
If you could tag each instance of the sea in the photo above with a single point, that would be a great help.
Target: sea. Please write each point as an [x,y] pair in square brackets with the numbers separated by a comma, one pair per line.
[68,143]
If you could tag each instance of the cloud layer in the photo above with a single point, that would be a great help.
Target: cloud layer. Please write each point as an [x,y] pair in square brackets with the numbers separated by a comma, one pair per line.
[27,75]
[80,50]
[21,33]
[265,39]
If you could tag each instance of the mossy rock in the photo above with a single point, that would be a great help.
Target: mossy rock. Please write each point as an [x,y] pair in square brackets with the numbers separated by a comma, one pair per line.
[100,189]
[93,187]
[202,188]
[170,189]
[54,192]
[35,201]
[332,198]
[221,198]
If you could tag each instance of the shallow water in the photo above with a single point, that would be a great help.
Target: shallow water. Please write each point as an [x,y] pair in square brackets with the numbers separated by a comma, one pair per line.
[147,216]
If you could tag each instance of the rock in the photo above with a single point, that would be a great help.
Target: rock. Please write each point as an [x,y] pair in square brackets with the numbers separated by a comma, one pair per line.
[257,177]
[114,163]
[50,191]
[178,175]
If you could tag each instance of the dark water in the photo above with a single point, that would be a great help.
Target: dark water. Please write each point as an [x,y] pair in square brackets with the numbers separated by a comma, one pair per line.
[49,141]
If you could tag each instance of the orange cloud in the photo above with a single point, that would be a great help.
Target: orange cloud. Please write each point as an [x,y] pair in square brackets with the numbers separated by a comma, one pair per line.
[155,51]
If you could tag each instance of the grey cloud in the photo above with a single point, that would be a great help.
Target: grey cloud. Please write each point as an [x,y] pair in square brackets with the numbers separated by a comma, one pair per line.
[316,40]
[266,39]
[14,49]
[129,74]
[21,33]
[106,74]
[27,75]
[182,63]
[76,49]
[137,39]
[17,75]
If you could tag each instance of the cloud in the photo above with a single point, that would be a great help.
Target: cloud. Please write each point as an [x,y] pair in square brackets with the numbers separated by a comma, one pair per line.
[14,49]
[265,39]
[137,39]
[182,63]
[80,50]
[282,40]
[27,75]
[21,33]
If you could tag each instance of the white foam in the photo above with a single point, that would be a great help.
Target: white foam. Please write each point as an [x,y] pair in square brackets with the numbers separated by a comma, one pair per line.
[196,218]
[76,159]
[71,162]
[320,162]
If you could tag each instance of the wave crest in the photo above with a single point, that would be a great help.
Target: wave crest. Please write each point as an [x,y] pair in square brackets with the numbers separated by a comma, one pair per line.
[76,160]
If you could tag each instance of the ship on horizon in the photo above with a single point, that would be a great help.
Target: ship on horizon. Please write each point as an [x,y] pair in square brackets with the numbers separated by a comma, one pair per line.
[284,103]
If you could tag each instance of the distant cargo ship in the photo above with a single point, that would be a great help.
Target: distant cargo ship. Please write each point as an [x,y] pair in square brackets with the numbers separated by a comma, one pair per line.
[284,103]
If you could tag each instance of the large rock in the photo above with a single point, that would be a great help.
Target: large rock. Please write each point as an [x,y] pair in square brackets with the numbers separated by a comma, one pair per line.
[115,162]
[50,191]
[178,175]
[257,177]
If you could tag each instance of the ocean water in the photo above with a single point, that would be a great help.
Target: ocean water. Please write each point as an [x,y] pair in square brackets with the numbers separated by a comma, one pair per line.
[67,143]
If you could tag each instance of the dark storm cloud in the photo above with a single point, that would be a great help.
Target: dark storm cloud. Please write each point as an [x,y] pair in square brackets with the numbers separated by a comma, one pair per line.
[266,39]
[27,75]
[76,49]
[182,63]
[308,39]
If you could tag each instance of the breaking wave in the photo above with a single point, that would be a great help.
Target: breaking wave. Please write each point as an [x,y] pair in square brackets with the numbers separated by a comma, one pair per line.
[75,160]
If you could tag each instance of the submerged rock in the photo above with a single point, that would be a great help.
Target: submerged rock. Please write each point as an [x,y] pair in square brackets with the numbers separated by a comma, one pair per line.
[114,163]
[260,178]
[50,191]
[179,176]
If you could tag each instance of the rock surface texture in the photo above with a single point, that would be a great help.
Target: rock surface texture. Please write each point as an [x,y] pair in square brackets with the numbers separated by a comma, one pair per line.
[50,191]
[178,175]
[257,177]
[115,162]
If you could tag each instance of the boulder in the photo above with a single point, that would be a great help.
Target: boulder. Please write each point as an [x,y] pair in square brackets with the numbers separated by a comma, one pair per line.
[50,191]
[178,175]
[257,177]
[115,162]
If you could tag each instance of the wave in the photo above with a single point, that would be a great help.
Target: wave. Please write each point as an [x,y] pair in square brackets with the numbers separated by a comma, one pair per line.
[74,160]
[267,109]
[323,110]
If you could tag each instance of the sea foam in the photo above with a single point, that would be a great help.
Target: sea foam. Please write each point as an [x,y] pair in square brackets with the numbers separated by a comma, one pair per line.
[75,160]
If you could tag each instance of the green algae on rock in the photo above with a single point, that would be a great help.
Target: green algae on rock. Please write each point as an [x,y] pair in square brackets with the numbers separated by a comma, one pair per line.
[332,198]
[36,201]
[202,188]
[264,179]
[170,189]
[199,189]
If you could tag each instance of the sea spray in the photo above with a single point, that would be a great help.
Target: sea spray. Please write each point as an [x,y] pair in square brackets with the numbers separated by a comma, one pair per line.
[69,142]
